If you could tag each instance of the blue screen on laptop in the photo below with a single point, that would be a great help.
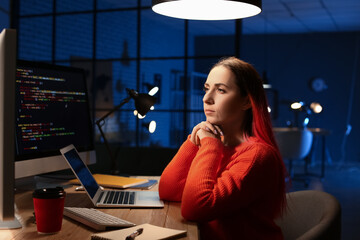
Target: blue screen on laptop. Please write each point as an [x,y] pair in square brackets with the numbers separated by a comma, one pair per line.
[82,172]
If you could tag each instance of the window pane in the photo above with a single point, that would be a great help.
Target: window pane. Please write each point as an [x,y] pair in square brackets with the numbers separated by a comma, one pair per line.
[71,5]
[166,133]
[5,6]
[124,76]
[74,34]
[4,20]
[116,35]
[35,38]
[119,127]
[168,75]
[87,66]
[111,4]
[28,7]
[198,70]
[112,79]
[211,38]
[177,133]
[162,48]
[193,119]
[146,3]
[161,36]
[201,66]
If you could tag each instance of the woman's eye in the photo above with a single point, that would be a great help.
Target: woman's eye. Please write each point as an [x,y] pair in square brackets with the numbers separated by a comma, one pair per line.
[205,89]
[221,90]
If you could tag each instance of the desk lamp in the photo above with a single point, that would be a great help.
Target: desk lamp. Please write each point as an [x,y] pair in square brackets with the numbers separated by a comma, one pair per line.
[143,103]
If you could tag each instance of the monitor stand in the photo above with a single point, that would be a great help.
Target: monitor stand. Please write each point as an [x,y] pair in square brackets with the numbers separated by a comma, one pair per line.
[10,224]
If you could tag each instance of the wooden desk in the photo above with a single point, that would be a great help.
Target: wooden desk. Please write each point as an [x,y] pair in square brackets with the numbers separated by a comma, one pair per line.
[169,216]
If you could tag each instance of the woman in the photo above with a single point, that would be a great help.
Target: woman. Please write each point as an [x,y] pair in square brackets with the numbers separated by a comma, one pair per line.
[228,174]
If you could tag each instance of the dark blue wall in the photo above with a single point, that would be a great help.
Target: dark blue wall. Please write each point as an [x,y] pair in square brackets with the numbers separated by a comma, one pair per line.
[292,60]
[4,14]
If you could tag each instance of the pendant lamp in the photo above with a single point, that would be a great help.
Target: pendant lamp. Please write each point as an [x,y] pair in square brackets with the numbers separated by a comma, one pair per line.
[207,9]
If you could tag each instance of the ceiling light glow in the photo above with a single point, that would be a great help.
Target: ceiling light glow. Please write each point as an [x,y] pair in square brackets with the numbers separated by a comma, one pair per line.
[207,9]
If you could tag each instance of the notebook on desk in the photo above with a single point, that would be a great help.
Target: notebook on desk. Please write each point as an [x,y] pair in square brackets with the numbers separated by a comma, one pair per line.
[107,198]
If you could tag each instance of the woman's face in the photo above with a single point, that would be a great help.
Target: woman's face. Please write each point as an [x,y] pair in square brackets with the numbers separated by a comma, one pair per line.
[223,103]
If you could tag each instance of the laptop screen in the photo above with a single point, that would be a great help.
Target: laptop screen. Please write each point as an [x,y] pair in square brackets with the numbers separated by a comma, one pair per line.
[82,172]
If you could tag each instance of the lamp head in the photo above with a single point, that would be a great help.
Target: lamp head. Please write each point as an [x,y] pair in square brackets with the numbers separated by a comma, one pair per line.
[152,89]
[207,9]
[297,105]
[316,107]
[151,126]
[143,102]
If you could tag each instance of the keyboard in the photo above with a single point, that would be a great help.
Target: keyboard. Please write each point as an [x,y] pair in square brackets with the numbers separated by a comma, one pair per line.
[95,219]
[116,197]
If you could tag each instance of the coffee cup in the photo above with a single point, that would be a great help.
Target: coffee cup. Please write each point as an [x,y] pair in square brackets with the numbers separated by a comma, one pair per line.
[49,208]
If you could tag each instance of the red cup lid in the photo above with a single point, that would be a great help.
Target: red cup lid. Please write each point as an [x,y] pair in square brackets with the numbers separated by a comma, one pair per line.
[49,193]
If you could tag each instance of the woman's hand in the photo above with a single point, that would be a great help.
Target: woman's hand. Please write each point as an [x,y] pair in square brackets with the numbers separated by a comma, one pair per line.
[204,129]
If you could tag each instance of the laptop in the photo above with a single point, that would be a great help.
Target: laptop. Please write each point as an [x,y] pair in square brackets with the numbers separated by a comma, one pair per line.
[108,198]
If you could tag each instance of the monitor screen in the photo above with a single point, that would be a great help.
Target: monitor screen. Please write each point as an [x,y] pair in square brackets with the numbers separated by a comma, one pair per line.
[82,172]
[52,111]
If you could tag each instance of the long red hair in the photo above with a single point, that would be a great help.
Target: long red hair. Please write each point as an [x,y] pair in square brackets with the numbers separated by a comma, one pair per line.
[257,121]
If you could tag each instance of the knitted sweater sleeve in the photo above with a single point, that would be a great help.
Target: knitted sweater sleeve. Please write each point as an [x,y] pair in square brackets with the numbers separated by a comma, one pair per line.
[209,194]
[173,178]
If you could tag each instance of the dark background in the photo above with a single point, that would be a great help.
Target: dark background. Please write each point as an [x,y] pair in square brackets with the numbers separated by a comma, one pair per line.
[123,44]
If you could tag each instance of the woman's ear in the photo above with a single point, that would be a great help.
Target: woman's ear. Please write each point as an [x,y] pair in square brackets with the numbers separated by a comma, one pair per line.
[246,103]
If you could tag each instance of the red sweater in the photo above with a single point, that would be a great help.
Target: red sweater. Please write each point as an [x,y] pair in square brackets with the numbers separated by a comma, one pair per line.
[232,192]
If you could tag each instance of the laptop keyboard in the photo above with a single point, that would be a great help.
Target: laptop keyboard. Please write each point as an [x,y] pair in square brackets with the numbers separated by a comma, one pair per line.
[118,197]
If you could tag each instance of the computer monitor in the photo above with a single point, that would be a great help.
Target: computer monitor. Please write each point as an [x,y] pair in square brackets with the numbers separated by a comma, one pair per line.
[7,123]
[52,111]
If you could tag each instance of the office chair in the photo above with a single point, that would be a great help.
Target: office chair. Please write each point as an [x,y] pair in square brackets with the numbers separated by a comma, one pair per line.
[311,215]
[293,143]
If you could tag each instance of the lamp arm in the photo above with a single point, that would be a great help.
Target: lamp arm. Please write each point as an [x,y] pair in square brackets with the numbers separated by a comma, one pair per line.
[98,123]
[112,158]
[126,100]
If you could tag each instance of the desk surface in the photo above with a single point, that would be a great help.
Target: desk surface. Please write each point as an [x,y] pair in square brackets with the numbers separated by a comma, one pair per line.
[315,131]
[169,216]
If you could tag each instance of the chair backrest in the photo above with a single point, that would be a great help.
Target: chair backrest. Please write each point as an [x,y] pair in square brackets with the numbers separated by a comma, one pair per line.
[294,143]
[311,215]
